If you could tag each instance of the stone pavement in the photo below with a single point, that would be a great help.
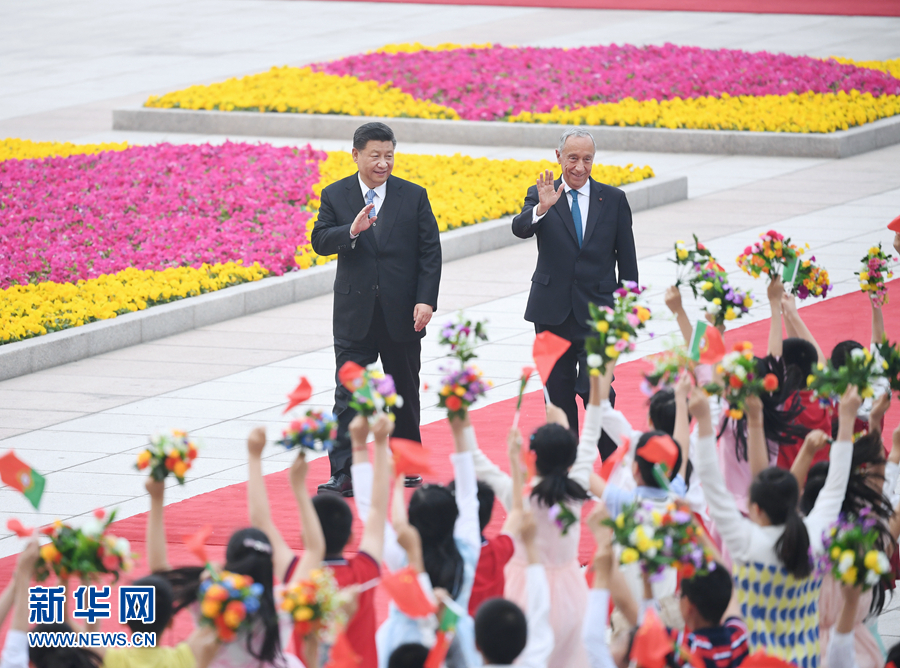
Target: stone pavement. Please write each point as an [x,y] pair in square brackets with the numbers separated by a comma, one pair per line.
[83,423]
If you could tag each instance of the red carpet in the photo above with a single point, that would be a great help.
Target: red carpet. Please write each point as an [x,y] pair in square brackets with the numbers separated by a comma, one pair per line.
[832,7]
[832,321]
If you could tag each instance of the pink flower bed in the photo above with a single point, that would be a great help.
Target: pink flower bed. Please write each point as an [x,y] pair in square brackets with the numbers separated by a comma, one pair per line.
[490,84]
[153,207]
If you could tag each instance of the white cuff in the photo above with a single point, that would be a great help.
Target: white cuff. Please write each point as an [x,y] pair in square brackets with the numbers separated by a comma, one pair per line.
[535,217]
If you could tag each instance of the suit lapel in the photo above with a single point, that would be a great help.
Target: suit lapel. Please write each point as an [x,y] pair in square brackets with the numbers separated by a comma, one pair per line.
[389,211]
[357,202]
[564,211]
[593,210]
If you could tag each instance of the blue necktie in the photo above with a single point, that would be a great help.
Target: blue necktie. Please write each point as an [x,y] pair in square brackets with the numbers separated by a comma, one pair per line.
[576,216]
[370,198]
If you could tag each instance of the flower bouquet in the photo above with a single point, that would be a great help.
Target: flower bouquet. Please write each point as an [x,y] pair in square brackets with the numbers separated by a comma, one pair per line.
[316,431]
[168,454]
[741,379]
[667,366]
[724,300]
[462,337]
[875,271]
[460,389]
[316,604]
[775,255]
[659,536]
[860,368]
[228,602]
[851,551]
[86,552]
[562,516]
[890,363]
[373,391]
[689,262]
[616,328]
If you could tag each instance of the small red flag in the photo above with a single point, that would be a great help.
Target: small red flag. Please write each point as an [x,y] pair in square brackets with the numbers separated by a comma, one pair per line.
[196,543]
[894,225]
[652,643]
[410,457]
[404,588]
[438,653]
[301,393]
[351,375]
[342,654]
[613,461]
[16,527]
[19,475]
[660,450]
[548,348]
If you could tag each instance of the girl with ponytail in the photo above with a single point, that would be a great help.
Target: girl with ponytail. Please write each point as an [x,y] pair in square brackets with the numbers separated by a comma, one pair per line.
[562,467]
[772,550]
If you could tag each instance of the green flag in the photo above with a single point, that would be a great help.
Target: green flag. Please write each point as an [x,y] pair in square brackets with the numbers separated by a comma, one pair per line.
[789,277]
[19,475]
[697,340]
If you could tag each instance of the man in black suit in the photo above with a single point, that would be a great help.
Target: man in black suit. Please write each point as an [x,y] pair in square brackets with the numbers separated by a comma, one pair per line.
[388,273]
[583,231]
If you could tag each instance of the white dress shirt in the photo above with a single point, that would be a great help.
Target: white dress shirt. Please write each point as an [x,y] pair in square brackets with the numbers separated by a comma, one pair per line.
[380,192]
[584,203]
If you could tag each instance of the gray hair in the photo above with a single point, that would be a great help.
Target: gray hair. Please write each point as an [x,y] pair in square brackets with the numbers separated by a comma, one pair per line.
[575,132]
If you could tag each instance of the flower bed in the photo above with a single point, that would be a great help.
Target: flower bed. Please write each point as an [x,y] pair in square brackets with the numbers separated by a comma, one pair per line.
[656,86]
[91,236]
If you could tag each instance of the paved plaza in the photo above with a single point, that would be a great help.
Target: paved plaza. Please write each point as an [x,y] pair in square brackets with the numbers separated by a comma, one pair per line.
[82,423]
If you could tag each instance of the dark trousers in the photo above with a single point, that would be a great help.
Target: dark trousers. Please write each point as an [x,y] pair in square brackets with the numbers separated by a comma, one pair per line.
[570,377]
[400,360]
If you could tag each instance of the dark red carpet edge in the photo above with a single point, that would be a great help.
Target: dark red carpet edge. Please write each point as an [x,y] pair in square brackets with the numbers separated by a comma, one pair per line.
[832,321]
[826,7]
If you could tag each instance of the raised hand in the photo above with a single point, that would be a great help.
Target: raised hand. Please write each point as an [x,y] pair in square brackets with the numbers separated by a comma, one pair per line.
[774,292]
[673,299]
[815,441]
[547,193]
[363,221]
[299,469]
[256,441]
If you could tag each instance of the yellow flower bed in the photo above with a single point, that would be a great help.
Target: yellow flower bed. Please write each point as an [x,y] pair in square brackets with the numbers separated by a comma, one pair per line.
[33,310]
[24,149]
[891,67]
[462,190]
[415,47]
[806,112]
[300,90]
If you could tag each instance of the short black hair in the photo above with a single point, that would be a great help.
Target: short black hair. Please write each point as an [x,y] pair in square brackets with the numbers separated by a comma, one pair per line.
[662,410]
[486,498]
[410,655]
[336,519]
[164,599]
[501,631]
[710,593]
[894,654]
[840,351]
[646,468]
[801,353]
[372,132]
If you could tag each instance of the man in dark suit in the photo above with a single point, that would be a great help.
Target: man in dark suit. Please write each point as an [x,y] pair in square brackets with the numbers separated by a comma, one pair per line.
[583,231]
[388,273]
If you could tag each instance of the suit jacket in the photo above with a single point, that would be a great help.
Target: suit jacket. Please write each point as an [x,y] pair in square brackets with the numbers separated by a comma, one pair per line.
[567,277]
[403,266]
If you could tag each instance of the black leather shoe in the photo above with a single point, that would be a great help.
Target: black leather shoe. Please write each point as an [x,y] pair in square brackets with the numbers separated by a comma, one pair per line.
[339,483]
[413,481]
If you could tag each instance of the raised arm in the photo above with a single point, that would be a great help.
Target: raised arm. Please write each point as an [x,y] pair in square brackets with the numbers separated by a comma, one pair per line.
[878,333]
[258,503]
[513,521]
[593,421]
[524,225]
[485,470]
[540,643]
[330,235]
[313,537]
[682,432]
[814,441]
[673,301]
[468,527]
[157,558]
[732,526]
[22,579]
[831,498]
[775,292]
[795,326]
[372,542]
[757,449]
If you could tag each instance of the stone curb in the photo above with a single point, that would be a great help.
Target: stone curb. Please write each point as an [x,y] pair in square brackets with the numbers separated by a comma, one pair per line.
[70,345]
[843,144]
